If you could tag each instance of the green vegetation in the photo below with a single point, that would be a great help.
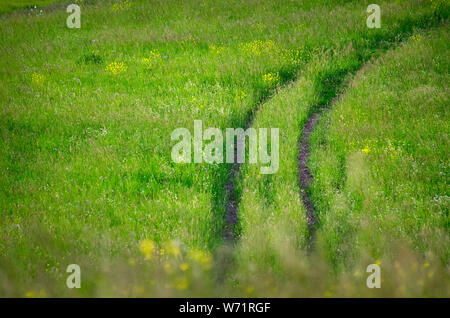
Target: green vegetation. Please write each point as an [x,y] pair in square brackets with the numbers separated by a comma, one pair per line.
[32,5]
[380,156]
[87,175]
[362,216]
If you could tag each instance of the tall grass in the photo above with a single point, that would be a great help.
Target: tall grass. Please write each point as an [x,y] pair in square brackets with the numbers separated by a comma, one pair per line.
[380,157]
[86,119]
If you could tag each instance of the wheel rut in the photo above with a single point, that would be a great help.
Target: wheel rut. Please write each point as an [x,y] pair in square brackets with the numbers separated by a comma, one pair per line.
[305,177]
[231,206]
[304,173]
[329,87]
[232,197]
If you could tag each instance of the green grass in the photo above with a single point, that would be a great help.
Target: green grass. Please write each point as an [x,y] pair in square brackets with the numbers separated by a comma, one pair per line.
[34,6]
[85,153]
[380,157]
[363,216]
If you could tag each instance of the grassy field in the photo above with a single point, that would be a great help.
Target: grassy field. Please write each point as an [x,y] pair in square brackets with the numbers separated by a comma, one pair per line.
[87,174]
[34,6]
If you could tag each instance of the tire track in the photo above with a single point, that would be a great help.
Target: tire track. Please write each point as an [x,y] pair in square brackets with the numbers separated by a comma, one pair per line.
[332,84]
[225,260]
[231,205]
[232,202]
[305,177]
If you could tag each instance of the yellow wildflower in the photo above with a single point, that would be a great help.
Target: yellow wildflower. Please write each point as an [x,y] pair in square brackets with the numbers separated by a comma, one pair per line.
[416,38]
[188,40]
[216,49]
[172,248]
[201,257]
[121,5]
[147,248]
[241,95]
[153,57]
[271,79]
[37,79]
[366,149]
[161,252]
[294,57]
[116,68]
[33,294]
[30,294]
[258,47]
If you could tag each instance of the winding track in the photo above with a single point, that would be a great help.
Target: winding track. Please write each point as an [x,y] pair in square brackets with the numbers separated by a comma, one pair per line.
[305,176]
[304,173]
[331,88]
[231,207]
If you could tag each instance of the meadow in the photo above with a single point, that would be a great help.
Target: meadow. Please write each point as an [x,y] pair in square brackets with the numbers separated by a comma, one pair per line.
[87,176]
